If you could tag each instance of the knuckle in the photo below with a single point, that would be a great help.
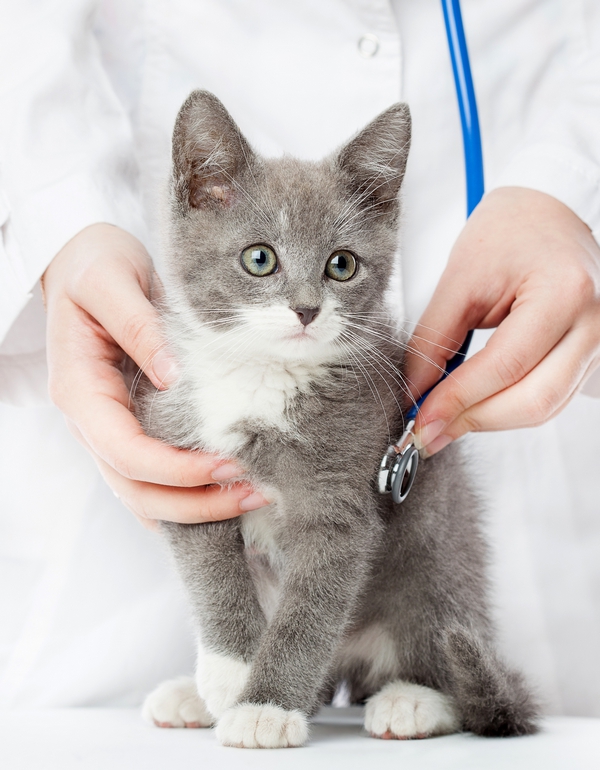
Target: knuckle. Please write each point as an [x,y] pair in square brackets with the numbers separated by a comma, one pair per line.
[220,505]
[469,424]
[209,512]
[60,392]
[86,279]
[543,405]
[56,390]
[509,368]
[457,399]
[134,334]
[184,475]
[137,502]
[580,285]
[122,466]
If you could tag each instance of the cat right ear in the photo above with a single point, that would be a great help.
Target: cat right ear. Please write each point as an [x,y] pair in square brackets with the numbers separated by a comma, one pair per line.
[209,154]
[374,162]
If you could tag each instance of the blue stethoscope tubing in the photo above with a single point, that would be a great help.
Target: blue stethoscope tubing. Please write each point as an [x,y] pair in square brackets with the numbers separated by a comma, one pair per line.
[399,464]
[469,119]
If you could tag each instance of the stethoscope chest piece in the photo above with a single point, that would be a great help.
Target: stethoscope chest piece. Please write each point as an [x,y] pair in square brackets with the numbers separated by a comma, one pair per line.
[399,467]
[403,473]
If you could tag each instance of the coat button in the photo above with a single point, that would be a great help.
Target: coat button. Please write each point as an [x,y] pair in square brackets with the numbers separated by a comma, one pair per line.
[368,46]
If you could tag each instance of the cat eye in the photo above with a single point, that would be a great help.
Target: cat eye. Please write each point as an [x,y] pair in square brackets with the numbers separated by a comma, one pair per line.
[259,260]
[341,266]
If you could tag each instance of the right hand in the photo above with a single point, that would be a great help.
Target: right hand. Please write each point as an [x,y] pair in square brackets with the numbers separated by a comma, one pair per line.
[97,292]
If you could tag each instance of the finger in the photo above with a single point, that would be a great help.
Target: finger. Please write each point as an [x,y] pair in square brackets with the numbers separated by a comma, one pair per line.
[152,502]
[150,524]
[90,391]
[115,435]
[438,335]
[122,308]
[111,277]
[542,394]
[517,346]
[186,506]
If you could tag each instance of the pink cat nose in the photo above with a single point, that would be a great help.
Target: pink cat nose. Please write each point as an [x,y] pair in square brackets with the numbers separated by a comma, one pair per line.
[306,314]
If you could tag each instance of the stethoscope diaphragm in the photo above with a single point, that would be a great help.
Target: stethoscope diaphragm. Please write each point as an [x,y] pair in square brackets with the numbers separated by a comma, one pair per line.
[399,467]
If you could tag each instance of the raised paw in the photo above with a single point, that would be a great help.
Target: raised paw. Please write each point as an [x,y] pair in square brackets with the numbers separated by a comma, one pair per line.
[176,704]
[250,726]
[220,680]
[405,710]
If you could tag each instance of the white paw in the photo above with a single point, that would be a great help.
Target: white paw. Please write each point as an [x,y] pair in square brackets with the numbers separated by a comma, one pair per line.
[220,680]
[176,704]
[405,710]
[250,726]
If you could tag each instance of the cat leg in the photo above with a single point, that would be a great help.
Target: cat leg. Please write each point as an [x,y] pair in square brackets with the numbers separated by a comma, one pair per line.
[210,558]
[220,678]
[176,703]
[406,710]
[492,699]
[325,569]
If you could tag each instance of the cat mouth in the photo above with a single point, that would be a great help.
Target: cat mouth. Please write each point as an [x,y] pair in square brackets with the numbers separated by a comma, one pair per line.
[300,334]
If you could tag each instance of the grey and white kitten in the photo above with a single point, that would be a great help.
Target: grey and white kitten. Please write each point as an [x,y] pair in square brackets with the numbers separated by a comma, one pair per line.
[278,271]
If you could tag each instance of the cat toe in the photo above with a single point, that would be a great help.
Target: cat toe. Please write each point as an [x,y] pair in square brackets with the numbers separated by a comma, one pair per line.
[252,726]
[176,703]
[405,710]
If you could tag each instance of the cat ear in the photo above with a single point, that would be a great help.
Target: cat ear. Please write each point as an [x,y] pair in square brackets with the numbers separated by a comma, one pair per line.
[374,162]
[209,154]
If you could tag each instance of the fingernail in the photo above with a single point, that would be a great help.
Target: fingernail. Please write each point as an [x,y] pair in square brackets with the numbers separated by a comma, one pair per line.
[164,368]
[226,472]
[253,501]
[428,433]
[439,443]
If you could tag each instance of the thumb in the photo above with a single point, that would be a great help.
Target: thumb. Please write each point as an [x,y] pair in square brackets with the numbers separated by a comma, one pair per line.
[134,324]
[114,290]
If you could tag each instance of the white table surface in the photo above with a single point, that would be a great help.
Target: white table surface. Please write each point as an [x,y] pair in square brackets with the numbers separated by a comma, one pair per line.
[118,739]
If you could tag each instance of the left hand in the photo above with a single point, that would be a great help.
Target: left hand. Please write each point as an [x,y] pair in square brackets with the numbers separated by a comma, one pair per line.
[526,264]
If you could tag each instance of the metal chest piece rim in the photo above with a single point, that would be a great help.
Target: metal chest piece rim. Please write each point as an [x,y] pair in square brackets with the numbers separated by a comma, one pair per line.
[399,467]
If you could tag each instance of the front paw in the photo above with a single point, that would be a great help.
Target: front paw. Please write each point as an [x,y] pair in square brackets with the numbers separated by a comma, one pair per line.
[220,680]
[405,710]
[176,704]
[252,726]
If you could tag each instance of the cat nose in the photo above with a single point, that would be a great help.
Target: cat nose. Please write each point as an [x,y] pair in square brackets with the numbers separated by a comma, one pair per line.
[306,314]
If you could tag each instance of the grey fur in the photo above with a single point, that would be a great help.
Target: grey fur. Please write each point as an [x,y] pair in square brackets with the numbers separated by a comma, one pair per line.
[348,558]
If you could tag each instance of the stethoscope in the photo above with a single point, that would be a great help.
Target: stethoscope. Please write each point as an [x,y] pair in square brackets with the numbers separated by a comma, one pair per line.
[399,464]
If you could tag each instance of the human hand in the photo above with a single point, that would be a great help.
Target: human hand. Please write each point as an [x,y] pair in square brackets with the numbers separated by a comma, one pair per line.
[97,291]
[524,263]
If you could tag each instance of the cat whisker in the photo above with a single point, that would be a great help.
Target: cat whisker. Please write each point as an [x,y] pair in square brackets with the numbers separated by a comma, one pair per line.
[365,357]
[385,363]
[406,347]
[372,387]
[391,339]
[369,316]
[140,371]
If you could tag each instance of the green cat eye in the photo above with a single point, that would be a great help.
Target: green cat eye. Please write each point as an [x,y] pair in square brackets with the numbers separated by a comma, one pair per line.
[341,266]
[259,260]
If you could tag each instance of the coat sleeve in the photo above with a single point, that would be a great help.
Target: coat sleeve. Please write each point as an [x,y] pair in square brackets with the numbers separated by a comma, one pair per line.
[66,148]
[561,155]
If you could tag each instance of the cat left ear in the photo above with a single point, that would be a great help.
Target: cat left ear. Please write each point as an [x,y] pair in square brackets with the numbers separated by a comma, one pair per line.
[210,155]
[374,162]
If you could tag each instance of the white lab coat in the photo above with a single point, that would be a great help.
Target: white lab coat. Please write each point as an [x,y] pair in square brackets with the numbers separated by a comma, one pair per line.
[91,611]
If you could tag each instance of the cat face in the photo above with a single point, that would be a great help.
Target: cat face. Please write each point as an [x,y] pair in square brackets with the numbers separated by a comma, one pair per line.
[282,256]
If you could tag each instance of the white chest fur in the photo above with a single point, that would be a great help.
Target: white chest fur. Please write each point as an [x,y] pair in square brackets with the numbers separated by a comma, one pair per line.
[228,390]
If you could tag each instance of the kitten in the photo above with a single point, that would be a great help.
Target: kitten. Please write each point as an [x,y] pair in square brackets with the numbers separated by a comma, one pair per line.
[278,271]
